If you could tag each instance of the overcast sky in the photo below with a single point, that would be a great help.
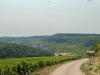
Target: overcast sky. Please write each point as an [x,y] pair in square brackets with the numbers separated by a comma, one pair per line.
[42,17]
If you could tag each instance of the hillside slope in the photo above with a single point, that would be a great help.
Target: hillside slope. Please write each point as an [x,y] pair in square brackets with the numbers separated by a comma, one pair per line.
[16,50]
[74,49]
[61,42]
[92,67]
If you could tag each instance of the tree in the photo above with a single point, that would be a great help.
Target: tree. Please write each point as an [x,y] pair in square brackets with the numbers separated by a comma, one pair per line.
[96,48]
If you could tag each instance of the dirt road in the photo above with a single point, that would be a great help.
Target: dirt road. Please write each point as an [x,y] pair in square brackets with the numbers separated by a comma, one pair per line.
[72,68]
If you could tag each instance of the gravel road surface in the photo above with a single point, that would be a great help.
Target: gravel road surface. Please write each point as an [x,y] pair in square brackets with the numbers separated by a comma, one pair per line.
[71,68]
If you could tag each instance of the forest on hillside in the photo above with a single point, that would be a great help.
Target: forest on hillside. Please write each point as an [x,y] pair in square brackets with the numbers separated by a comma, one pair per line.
[86,40]
[9,50]
[45,45]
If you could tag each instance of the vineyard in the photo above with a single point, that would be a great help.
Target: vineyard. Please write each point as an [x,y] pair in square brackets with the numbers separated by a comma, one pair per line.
[26,66]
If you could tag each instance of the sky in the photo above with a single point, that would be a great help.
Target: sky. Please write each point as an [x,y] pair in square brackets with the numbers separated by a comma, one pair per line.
[48,17]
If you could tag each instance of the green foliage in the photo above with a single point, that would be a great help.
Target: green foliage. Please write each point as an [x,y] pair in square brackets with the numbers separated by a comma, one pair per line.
[96,48]
[80,39]
[86,40]
[87,68]
[16,50]
[22,40]
[64,47]
[26,67]
[98,67]
[54,43]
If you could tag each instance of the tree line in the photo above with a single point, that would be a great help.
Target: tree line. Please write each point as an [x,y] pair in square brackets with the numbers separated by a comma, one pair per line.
[87,40]
[8,50]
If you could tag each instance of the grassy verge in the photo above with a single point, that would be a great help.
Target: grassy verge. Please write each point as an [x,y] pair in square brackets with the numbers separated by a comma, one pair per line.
[91,67]
[49,69]
[46,70]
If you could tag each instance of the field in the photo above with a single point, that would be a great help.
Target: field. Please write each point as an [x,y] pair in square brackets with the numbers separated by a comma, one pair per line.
[74,49]
[26,66]
[62,47]
[77,44]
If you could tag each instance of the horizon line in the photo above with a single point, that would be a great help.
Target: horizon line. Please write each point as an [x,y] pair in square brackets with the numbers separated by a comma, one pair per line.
[49,34]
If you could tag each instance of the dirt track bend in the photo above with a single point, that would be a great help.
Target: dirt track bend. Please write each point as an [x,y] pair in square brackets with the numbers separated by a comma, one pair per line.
[72,68]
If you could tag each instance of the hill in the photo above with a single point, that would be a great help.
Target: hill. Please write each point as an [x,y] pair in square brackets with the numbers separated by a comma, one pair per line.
[86,40]
[8,50]
[69,48]
[21,40]
[61,42]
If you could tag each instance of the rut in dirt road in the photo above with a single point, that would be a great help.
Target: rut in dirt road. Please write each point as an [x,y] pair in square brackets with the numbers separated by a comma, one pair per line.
[72,68]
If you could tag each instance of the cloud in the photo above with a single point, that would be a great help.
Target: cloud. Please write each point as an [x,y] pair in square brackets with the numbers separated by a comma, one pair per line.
[89,0]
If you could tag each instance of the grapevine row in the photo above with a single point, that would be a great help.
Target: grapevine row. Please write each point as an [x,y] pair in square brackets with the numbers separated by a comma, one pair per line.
[28,67]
